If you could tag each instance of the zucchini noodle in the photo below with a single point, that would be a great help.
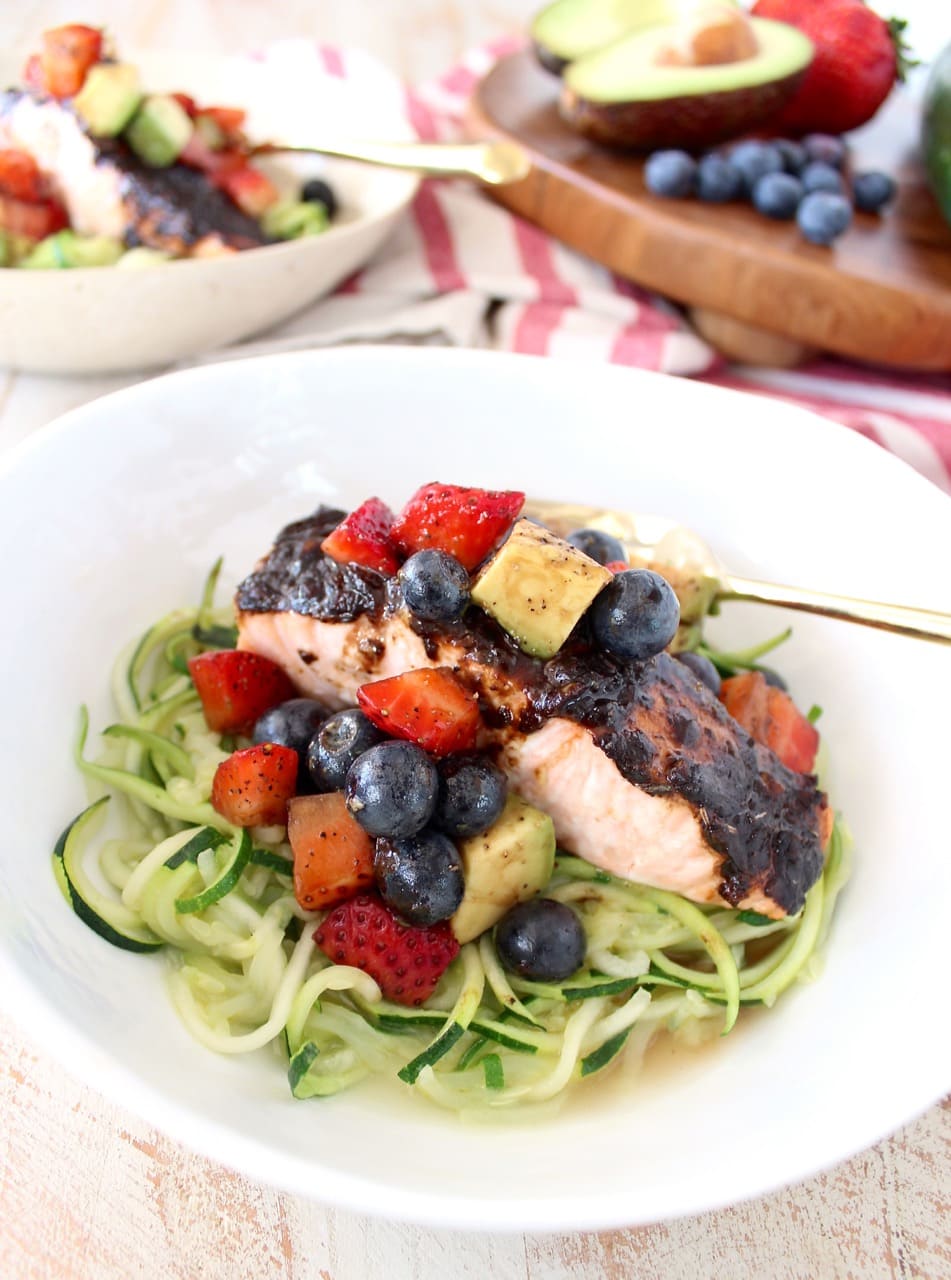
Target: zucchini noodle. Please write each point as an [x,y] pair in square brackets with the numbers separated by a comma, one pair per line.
[246,972]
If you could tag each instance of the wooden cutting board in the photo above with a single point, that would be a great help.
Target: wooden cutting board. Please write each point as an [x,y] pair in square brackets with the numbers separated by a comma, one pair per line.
[882,293]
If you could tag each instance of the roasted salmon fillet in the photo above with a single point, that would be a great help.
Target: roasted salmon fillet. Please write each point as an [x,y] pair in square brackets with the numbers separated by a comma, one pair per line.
[108,191]
[641,768]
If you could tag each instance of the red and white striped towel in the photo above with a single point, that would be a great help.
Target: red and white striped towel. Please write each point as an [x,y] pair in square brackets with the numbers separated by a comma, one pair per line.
[462,270]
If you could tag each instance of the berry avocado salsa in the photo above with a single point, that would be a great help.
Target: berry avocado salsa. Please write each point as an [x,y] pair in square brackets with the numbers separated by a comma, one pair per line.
[457,798]
[95,171]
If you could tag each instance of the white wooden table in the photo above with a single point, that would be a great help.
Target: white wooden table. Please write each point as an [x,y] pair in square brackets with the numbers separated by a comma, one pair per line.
[90,1192]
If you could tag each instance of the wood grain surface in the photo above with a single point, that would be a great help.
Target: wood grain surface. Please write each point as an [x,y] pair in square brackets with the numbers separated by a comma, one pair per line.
[882,293]
[90,1192]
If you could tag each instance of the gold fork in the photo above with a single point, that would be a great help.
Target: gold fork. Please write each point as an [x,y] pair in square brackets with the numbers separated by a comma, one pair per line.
[663,541]
[493,163]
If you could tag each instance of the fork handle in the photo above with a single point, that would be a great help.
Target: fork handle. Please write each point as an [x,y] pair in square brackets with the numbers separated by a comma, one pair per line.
[494,163]
[924,624]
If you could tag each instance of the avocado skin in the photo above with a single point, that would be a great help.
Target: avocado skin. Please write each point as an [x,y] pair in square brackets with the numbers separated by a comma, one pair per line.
[552,62]
[693,121]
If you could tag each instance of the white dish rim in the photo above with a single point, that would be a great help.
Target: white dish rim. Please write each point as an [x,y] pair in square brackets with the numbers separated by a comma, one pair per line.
[86,1061]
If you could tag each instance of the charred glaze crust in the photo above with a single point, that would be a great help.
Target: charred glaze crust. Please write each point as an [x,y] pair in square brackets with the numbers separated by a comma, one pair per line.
[175,208]
[296,576]
[764,819]
[663,728]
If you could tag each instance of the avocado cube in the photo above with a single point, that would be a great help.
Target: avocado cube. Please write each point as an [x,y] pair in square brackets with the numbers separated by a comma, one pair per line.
[508,864]
[537,586]
[159,131]
[66,249]
[294,219]
[108,99]
[52,253]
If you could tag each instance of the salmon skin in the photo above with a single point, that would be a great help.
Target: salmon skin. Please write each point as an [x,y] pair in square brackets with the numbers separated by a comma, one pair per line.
[108,190]
[641,768]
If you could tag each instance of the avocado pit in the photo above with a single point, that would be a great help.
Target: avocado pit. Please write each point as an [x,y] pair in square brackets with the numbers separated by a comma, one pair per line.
[715,33]
[687,86]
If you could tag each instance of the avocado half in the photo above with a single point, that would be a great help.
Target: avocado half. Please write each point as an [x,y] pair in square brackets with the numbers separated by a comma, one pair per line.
[569,29]
[620,94]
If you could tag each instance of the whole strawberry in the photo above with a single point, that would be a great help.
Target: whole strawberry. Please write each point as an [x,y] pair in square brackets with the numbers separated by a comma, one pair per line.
[859,57]
[406,961]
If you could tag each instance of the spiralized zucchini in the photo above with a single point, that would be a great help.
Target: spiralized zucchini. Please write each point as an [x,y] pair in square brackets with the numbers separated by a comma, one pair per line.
[246,972]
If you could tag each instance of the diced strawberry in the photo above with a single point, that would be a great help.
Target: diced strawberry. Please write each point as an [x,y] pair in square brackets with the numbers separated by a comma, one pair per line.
[216,164]
[617,566]
[771,717]
[187,103]
[744,696]
[34,220]
[33,74]
[465,522]
[236,686]
[363,537]
[430,707]
[228,119]
[790,734]
[68,53]
[20,176]
[251,191]
[406,961]
[333,855]
[252,787]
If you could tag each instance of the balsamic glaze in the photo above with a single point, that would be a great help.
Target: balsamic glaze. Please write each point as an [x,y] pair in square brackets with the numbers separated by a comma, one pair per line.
[661,725]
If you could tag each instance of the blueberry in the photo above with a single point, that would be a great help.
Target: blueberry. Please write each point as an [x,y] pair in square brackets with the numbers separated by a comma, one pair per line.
[718,179]
[822,177]
[290,724]
[336,744]
[435,586]
[541,940]
[670,173]
[825,148]
[754,160]
[823,216]
[599,546]
[873,190]
[702,668]
[792,154]
[772,678]
[419,877]
[391,789]
[636,615]
[472,792]
[777,195]
[316,191]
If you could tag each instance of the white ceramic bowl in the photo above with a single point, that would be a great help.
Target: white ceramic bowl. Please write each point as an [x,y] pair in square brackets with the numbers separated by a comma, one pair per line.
[106,319]
[112,526]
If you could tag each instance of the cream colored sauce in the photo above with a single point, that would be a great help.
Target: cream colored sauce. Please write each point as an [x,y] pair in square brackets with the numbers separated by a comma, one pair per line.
[91,192]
